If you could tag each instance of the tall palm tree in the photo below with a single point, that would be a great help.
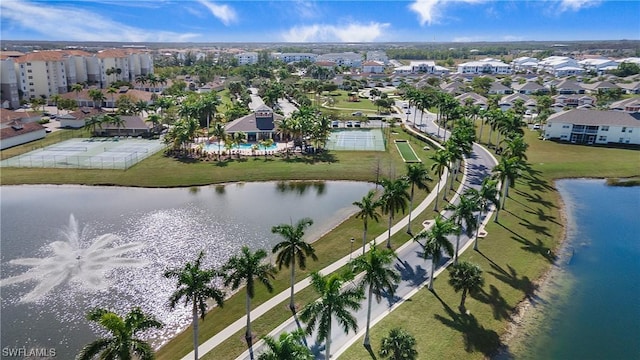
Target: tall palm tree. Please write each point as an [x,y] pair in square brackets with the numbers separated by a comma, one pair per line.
[483,198]
[77,88]
[287,346]
[123,344]
[507,172]
[97,97]
[248,268]
[115,120]
[398,345]
[195,286]
[266,143]
[436,241]
[467,277]
[463,211]
[285,128]
[393,198]
[293,247]
[332,302]
[440,164]
[378,276]
[417,176]
[368,210]
[112,91]
[220,134]
[239,137]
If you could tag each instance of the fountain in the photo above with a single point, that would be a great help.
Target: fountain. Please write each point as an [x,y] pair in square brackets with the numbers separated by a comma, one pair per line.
[73,263]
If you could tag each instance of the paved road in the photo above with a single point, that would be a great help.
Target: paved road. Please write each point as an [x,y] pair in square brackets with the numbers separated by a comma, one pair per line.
[413,269]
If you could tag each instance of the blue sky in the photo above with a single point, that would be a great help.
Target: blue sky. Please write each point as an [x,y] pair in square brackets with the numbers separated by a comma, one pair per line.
[319,21]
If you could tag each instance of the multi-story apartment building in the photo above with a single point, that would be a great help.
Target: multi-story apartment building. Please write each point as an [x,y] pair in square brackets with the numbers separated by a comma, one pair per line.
[378,56]
[485,66]
[247,58]
[42,73]
[9,95]
[114,64]
[295,57]
[349,59]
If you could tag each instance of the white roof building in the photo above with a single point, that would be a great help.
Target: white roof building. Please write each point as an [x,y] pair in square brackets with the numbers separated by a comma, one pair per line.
[594,127]
[485,66]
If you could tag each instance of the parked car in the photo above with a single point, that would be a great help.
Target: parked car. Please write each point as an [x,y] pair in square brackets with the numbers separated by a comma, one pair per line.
[349,124]
[356,113]
[335,124]
[356,123]
[536,127]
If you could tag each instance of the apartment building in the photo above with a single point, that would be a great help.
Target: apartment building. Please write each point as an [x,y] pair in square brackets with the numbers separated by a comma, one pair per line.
[348,59]
[9,95]
[42,73]
[295,57]
[247,58]
[485,66]
[594,127]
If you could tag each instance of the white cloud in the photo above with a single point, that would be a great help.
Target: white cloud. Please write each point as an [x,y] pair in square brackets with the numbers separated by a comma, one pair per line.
[353,32]
[69,23]
[306,9]
[431,11]
[224,13]
[575,5]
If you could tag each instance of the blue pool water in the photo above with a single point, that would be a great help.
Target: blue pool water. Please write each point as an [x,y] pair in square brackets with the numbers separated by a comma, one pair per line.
[214,147]
[596,316]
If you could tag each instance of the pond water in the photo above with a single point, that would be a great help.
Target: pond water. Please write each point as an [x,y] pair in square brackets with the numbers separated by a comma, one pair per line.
[590,308]
[68,249]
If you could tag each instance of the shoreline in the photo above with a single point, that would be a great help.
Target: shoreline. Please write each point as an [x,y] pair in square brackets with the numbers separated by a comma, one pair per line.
[526,316]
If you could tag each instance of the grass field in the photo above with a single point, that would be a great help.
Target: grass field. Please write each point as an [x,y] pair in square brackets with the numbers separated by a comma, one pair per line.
[406,151]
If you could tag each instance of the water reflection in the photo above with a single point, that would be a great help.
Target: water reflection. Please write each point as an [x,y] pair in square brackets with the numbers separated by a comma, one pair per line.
[301,187]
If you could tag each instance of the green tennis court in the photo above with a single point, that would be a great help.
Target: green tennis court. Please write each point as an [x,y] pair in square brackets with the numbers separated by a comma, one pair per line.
[93,153]
[406,151]
[356,139]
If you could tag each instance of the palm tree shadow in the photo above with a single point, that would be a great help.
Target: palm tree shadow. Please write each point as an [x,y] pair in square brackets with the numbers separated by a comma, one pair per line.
[415,276]
[476,337]
[318,351]
[512,279]
[299,326]
[542,216]
[501,309]
[536,198]
[538,229]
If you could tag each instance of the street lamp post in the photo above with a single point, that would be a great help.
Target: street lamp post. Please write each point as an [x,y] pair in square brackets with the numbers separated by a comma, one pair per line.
[351,252]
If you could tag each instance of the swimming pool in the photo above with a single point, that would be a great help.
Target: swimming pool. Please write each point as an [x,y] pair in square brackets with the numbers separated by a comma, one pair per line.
[213,146]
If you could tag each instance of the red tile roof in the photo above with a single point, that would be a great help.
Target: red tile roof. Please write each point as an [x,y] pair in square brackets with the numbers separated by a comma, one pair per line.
[16,128]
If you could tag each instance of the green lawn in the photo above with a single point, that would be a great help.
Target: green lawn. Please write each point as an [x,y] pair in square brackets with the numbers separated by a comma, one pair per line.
[407,153]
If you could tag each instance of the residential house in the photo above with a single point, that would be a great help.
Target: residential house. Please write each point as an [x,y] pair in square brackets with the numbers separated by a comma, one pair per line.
[507,102]
[574,100]
[628,105]
[530,88]
[473,99]
[630,88]
[599,87]
[372,67]
[16,132]
[594,127]
[568,87]
[498,88]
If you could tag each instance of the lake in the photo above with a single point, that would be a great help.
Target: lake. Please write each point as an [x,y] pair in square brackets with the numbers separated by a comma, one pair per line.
[65,230]
[590,308]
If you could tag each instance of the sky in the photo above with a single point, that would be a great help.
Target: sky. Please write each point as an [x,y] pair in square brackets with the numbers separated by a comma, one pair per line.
[319,21]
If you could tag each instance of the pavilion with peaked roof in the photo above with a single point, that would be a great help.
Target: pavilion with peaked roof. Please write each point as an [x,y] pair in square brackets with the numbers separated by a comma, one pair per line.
[262,124]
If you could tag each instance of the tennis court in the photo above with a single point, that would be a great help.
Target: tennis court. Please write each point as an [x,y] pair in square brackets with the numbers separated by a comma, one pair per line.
[93,153]
[357,139]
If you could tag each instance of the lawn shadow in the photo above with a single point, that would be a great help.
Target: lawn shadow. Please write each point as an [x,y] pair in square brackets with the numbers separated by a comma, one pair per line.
[476,337]
[536,198]
[512,279]
[299,326]
[222,163]
[538,229]
[501,309]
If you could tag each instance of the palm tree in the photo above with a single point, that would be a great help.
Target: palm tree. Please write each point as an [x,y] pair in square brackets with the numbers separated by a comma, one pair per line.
[463,211]
[332,302]
[440,164]
[112,91]
[249,268]
[92,123]
[378,276]
[123,343]
[285,128]
[467,277]
[293,247]
[195,286]
[266,143]
[368,210]
[97,97]
[77,88]
[507,172]
[483,198]
[437,241]
[115,120]
[398,345]
[393,198]
[287,346]
[220,133]
[417,175]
